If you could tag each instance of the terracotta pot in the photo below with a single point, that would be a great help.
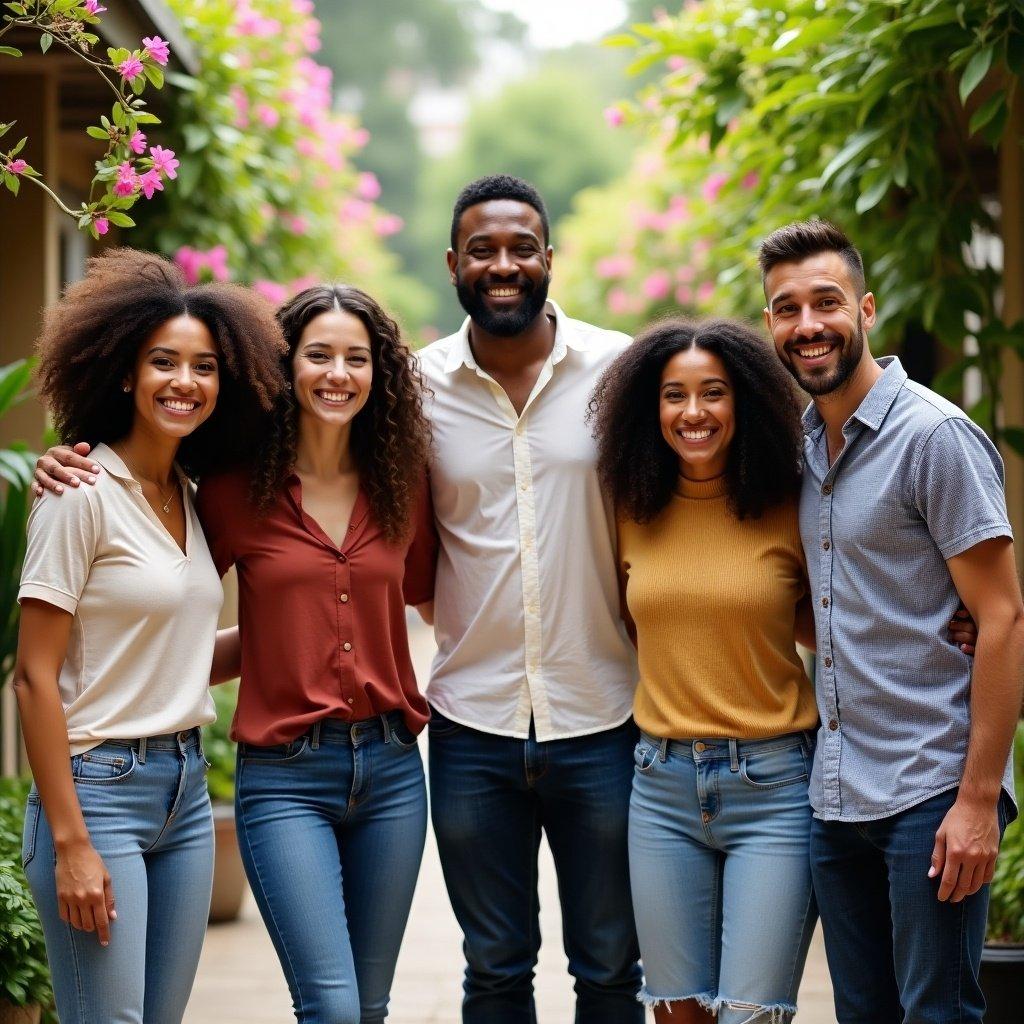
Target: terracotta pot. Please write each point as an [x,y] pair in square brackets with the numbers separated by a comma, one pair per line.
[19,1014]
[1002,981]
[229,882]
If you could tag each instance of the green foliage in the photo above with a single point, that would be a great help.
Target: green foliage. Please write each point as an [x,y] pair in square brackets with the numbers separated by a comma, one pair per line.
[882,116]
[1006,896]
[218,746]
[24,975]
[17,464]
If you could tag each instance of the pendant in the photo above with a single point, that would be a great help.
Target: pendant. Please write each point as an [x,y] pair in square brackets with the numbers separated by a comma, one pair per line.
[167,508]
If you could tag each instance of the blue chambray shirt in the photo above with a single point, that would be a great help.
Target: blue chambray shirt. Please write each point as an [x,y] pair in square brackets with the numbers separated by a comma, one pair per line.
[916,483]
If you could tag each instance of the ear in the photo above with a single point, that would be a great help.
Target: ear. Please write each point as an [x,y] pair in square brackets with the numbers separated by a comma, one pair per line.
[867,310]
[767,320]
[453,261]
[549,256]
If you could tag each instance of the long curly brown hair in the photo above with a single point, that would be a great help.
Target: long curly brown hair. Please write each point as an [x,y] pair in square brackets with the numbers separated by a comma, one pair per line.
[390,434]
[91,339]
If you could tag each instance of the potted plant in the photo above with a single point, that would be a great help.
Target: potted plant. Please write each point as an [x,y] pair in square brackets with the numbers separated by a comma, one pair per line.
[1002,961]
[229,882]
[24,976]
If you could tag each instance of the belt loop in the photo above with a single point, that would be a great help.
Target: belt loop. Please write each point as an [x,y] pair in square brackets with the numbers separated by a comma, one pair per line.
[734,756]
[142,750]
[314,741]
[387,728]
[663,750]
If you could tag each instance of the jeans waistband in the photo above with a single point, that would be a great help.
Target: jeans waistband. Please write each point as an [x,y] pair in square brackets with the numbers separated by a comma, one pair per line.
[337,730]
[183,740]
[728,749]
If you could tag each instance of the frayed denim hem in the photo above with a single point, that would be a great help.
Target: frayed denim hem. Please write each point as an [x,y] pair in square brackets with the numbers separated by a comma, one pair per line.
[776,1013]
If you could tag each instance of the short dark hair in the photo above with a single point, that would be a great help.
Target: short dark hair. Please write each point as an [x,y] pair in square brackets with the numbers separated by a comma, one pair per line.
[92,336]
[804,238]
[637,467]
[498,186]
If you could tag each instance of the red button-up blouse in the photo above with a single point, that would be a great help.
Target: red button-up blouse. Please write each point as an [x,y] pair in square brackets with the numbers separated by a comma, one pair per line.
[322,628]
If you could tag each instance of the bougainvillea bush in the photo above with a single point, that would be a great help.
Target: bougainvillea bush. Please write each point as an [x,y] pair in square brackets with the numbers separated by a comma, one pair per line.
[886,117]
[267,192]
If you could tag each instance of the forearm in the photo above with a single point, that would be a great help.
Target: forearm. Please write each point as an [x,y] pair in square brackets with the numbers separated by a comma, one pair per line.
[227,656]
[995,706]
[803,625]
[45,731]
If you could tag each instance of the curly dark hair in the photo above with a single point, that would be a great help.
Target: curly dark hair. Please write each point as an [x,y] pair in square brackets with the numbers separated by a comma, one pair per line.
[92,336]
[497,186]
[639,469]
[390,434]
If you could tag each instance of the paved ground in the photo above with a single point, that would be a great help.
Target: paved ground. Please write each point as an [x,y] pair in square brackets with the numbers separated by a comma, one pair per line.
[240,978]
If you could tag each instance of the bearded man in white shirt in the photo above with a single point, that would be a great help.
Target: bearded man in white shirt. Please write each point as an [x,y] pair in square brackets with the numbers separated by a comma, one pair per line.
[532,685]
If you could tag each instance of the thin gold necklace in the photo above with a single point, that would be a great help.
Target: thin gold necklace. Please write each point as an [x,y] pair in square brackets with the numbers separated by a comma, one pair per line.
[165,505]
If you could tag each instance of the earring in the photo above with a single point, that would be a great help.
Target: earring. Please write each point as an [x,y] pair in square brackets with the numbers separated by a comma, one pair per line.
[126,388]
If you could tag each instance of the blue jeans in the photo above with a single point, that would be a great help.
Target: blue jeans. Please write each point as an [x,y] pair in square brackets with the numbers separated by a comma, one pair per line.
[148,816]
[896,954]
[331,828]
[491,796]
[718,837]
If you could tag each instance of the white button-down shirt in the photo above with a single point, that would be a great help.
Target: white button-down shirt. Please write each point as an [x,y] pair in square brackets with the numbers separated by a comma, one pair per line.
[526,607]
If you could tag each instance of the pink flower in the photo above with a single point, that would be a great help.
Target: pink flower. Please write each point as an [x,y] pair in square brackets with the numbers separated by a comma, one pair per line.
[712,186]
[678,210]
[190,261]
[367,186]
[101,224]
[359,138]
[127,180]
[17,166]
[137,143]
[684,295]
[302,6]
[705,291]
[217,261]
[297,225]
[619,301]
[657,285]
[300,284]
[93,7]
[676,63]
[614,117]
[750,179]
[130,68]
[354,211]
[271,290]
[156,48]
[306,146]
[612,267]
[164,161]
[388,224]
[685,274]
[150,182]
[268,115]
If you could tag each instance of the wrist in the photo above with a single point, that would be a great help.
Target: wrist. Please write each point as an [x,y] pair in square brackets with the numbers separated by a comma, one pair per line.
[978,797]
[70,842]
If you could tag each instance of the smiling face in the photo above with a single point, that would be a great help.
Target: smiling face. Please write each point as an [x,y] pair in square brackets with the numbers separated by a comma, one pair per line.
[817,321]
[697,410]
[501,267]
[332,368]
[176,380]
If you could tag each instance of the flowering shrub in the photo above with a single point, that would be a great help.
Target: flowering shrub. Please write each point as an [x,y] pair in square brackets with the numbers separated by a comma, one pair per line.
[125,171]
[882,116]
[267,193]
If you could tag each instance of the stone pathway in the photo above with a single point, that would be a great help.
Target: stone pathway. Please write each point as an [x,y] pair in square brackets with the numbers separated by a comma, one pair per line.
[240,979]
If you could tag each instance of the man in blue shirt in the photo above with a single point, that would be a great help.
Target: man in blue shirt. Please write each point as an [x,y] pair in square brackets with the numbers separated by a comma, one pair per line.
[902,510]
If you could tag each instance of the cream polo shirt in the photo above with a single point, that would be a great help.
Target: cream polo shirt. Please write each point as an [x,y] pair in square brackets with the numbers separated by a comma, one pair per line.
[145,615]
[526,605]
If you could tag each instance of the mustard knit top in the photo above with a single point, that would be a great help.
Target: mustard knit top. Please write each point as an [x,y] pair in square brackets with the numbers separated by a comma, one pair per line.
[714,599]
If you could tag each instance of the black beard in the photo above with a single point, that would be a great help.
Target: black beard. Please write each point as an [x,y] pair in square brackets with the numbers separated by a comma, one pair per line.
[506,323]
[849,356]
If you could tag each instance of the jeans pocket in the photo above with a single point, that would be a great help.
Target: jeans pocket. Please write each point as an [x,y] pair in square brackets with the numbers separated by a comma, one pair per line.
[103,765]
[772,769]
[281,754]
[645,757]
[441,726]
[402,736]
[33,809]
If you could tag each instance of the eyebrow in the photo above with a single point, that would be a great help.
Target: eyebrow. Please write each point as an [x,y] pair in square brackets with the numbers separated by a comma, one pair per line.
[326,345]
[521,236]
[706,380]
[818,289]
[175,352]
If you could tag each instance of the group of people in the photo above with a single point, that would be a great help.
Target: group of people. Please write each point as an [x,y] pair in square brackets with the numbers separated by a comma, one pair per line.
[619,544]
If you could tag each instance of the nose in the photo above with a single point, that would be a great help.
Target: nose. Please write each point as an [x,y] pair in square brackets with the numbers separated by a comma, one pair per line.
[692,410]
[504,263]
[184,381]
[338,369]
[809,324]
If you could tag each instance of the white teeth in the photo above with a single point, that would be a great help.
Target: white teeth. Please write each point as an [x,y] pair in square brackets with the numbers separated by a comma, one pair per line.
[503,293]
[814,353]
[695,435]
[179,406]
[337,397]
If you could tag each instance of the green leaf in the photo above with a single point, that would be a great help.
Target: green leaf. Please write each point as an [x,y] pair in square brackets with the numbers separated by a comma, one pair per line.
[155,75]
[10,51]
[44,41]
[874,193]
[17,8]
[196,137]
[623,39]
[19,147]
[180,81]
[855,145]
[14,377]
[145,117]
[12,183]
[986,112]
[96,133]
[977,68]
[119,115]
[122,220]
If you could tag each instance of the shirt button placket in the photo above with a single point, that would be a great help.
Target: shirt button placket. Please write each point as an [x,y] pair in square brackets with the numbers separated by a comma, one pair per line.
[830,754]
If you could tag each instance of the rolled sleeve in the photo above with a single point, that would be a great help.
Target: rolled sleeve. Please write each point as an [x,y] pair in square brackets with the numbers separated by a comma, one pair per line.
[218,499]
[62,538]
[421,559]
[958,487]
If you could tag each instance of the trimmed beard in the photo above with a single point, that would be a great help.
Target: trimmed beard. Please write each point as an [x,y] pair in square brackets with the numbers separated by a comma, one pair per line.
[504,323]
[817,384]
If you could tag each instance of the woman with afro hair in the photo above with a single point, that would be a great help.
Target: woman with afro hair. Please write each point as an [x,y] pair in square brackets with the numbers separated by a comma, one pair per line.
[331,532]
[119,605]
[699,440]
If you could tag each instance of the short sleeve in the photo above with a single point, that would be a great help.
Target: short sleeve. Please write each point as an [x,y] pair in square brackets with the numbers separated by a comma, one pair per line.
[215,501]
[958,487]
[63,538]
[421,559]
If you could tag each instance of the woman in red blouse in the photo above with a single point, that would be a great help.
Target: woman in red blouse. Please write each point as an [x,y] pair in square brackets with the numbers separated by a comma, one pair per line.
[332,535]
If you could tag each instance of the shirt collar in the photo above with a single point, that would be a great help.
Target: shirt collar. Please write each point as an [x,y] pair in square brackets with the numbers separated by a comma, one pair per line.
[567,336]
[875,405]
[106,457]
